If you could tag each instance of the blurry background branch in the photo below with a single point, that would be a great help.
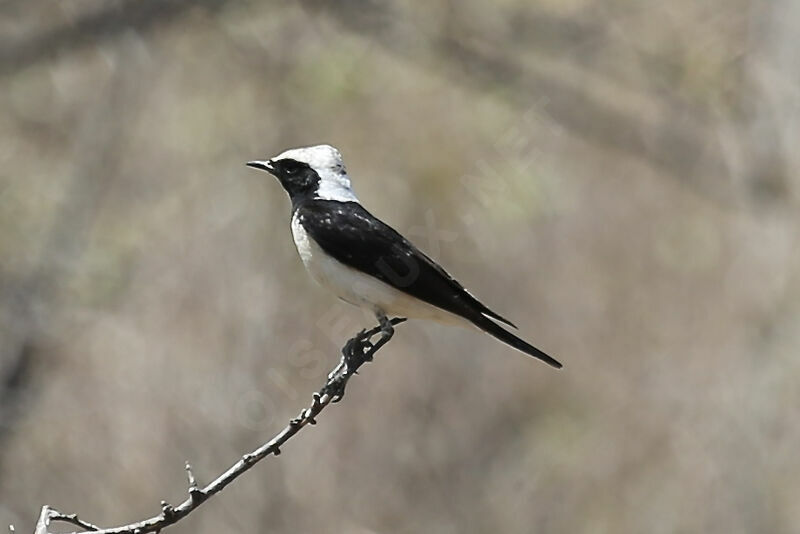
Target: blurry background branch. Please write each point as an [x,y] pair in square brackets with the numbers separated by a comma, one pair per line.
[108,23]
[639,157]
[671,133]
[30,300]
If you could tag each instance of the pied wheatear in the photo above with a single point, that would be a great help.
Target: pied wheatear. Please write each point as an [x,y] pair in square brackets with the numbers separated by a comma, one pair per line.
[366,262]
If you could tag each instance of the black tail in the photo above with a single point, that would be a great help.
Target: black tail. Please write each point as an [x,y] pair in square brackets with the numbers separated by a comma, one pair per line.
[490,327]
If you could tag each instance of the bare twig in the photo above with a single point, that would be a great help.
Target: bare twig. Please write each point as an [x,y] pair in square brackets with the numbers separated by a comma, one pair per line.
[73,519]
[96,28]
[357,351]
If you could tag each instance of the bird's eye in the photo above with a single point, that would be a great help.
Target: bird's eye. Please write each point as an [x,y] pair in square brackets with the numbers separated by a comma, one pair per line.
[290,170]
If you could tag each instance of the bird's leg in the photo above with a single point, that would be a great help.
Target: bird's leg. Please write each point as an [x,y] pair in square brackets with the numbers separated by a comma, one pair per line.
[361,348]
[353,354]
[357,351]
[387,331]
[387,328]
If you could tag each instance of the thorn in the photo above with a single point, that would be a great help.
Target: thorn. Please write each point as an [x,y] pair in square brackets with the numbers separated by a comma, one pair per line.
[167,510]
[196,494]
[190,475]
[276,451]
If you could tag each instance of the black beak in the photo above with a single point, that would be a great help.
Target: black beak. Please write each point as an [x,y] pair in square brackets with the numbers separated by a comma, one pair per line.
[261,165]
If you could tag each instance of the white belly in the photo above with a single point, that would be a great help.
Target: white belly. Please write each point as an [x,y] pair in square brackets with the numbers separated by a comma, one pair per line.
[361,289]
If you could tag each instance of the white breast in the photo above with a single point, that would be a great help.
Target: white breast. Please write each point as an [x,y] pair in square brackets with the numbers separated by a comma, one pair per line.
[361,289]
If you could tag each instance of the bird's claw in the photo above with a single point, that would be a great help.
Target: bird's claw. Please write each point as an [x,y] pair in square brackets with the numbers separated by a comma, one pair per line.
[357,349]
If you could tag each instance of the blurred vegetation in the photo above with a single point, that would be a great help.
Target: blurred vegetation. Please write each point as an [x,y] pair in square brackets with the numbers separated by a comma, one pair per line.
[629,169]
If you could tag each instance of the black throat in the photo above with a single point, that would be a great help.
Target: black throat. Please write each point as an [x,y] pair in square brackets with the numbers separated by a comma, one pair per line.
[298,179]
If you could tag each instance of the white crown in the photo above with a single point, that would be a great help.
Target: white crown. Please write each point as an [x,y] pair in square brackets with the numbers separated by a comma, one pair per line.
[334,183]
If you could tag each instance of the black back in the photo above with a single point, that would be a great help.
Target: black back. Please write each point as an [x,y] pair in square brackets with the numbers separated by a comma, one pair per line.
[349,233]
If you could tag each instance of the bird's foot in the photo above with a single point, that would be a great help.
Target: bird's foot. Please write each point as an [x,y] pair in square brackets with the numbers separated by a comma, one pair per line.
[357,350]
[387,328]
[386,331]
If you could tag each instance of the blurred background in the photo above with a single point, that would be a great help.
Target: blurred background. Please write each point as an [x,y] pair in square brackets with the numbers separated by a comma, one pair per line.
[619,178]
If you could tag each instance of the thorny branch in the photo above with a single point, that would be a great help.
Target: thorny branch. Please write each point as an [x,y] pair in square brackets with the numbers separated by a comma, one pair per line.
[357,351]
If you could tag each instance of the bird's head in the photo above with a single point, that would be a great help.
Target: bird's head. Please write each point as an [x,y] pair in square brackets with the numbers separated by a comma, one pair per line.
[310,172]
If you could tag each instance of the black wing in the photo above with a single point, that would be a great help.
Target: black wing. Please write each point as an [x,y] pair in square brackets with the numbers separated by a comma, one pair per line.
[352,235]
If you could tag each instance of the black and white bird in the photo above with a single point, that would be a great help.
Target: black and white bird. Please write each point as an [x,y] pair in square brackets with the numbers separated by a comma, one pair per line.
[366,262]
